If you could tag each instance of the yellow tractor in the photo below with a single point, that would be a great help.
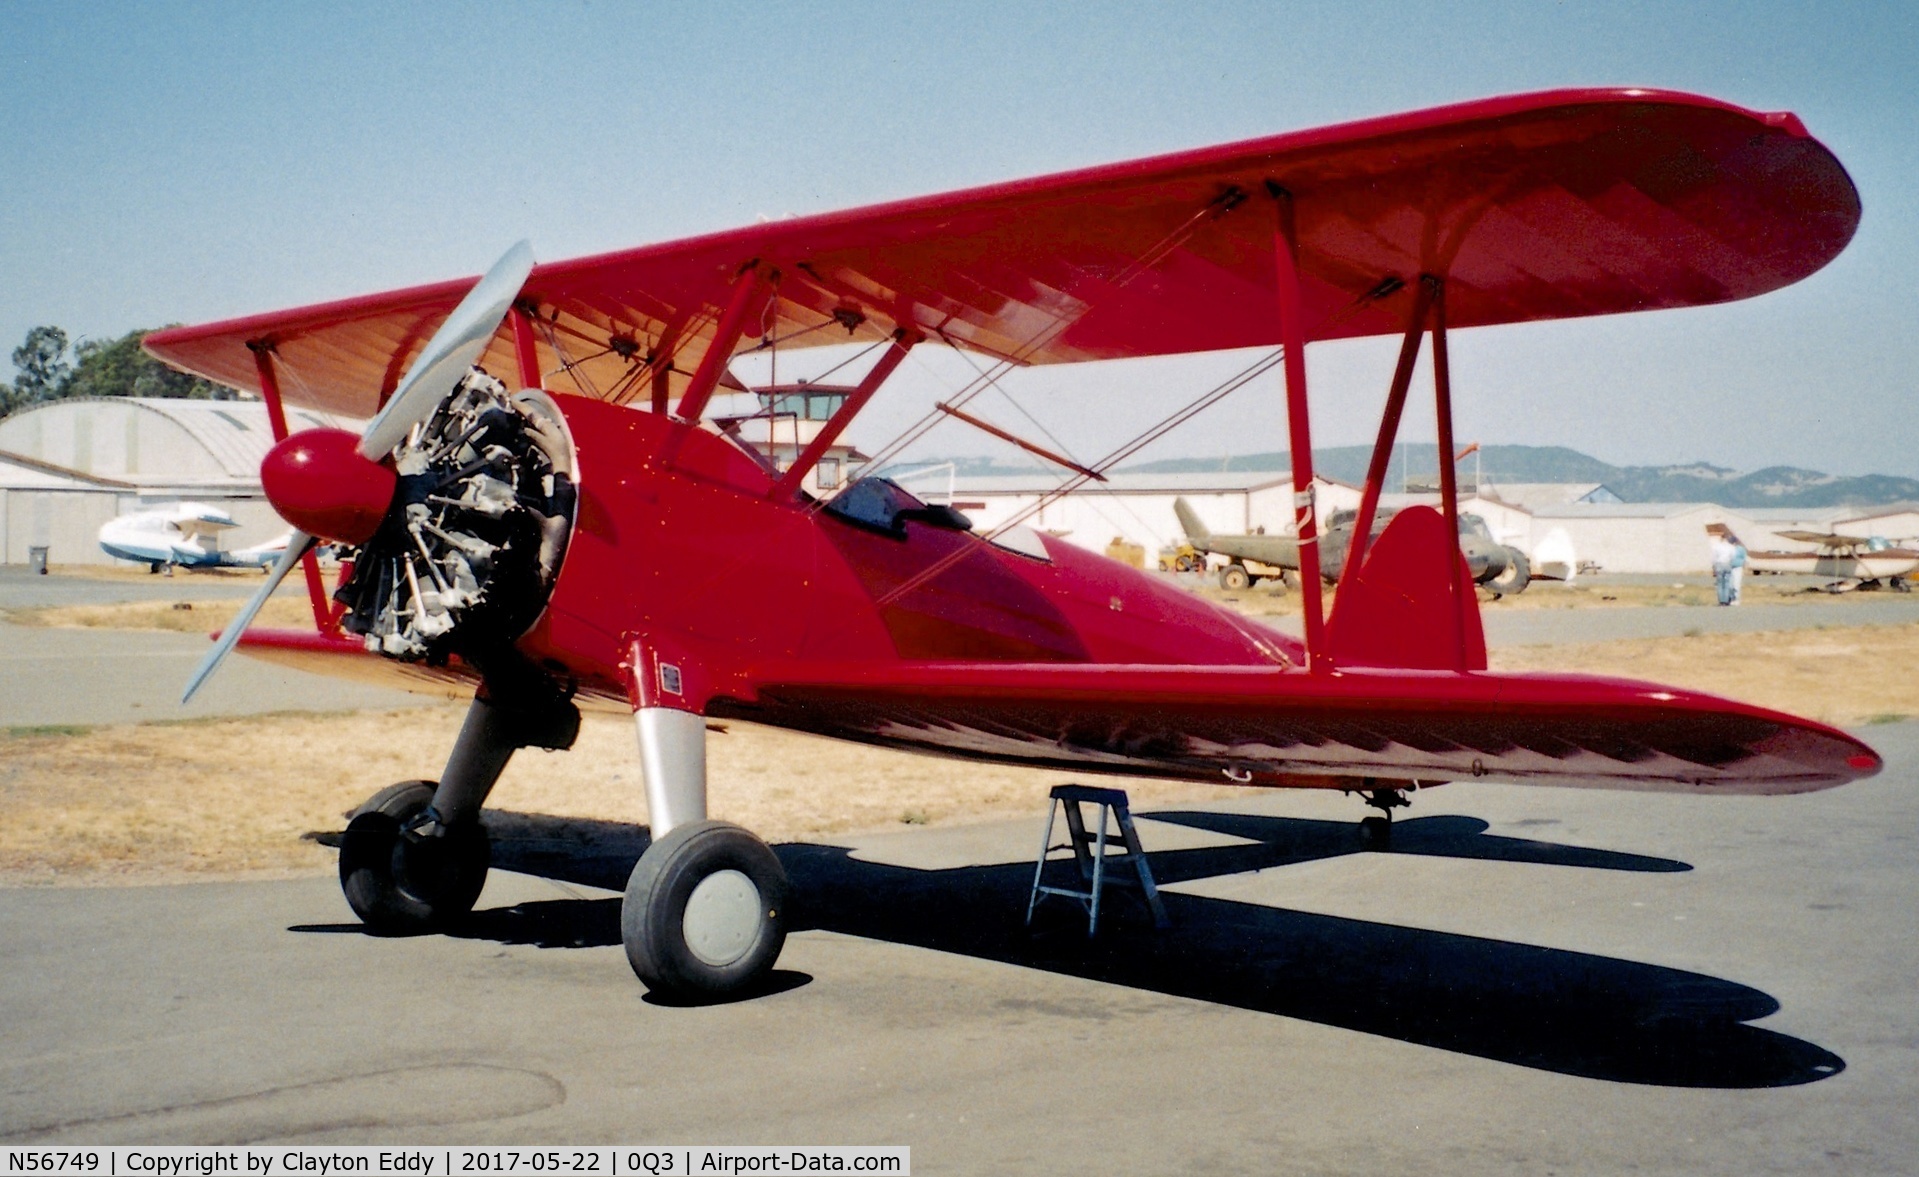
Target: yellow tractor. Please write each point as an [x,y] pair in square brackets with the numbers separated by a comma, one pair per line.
[1182,558]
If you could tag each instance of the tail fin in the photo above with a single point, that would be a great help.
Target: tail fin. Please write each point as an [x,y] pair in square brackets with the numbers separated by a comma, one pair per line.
[1189,519]
[1402,610]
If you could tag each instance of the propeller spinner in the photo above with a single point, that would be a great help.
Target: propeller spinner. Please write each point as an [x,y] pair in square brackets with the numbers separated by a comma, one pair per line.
[331,485]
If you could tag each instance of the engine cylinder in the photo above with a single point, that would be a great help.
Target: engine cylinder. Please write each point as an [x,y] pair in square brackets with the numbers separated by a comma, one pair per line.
[476,529]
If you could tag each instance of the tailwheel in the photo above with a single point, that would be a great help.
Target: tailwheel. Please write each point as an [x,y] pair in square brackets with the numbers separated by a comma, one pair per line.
[705,913]
[403,881]
[1378,831]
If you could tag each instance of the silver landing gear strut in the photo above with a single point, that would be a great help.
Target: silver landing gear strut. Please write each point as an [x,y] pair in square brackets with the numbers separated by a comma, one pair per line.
[705,912]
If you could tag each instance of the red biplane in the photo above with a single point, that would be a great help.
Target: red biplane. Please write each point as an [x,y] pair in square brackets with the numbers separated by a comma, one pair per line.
[583,535]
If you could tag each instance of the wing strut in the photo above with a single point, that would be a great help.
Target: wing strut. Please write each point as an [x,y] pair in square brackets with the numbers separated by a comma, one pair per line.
[719,352]
[1463,598]
[1038,451]
[1299,426]
[1429,309]
[904,340]
[1388,430]
[277,418]
[526,355]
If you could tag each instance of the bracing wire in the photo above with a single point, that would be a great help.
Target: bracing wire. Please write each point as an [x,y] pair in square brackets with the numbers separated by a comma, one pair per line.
[1259,367]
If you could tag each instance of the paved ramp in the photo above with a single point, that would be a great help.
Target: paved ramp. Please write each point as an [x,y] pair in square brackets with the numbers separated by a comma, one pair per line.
[1531,980]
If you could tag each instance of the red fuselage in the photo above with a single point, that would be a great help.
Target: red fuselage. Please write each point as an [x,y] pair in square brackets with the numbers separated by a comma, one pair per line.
[679,540]
[690,583]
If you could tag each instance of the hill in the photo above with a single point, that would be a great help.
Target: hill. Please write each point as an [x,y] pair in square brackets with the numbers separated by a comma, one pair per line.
[1697,482]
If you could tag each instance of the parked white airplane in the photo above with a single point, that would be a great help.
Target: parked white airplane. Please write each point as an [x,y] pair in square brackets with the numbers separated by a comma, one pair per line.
[185,535]
[1849,561]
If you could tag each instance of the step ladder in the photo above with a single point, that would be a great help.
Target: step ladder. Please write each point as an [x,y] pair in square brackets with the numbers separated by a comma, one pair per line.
[1089,851]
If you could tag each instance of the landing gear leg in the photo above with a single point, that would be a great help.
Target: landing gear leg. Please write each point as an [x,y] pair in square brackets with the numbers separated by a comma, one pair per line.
[1378,831]
[705,912]
[415,857]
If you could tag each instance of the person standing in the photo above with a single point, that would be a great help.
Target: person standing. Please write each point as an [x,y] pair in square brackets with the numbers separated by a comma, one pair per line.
[1736,568]
[1722,555]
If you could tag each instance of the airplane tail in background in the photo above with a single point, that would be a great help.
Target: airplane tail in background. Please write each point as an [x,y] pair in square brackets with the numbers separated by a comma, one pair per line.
[1402,610]
[1189,520]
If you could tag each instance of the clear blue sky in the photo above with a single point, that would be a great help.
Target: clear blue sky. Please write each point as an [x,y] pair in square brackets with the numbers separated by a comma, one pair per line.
[178,163]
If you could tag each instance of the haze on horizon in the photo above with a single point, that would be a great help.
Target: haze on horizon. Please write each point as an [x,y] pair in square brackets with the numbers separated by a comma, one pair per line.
[182,164]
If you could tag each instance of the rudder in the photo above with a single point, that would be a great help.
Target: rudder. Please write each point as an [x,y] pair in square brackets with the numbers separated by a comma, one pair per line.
[1402,609]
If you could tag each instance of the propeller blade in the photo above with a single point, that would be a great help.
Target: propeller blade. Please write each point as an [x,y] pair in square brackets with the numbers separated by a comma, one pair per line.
[452,350]
[299,543]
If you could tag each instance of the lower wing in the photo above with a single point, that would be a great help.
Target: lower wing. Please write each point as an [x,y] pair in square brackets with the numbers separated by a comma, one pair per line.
[1286,727]
[1249,725]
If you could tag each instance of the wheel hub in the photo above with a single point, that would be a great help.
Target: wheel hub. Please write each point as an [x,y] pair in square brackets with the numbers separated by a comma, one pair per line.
[722,918]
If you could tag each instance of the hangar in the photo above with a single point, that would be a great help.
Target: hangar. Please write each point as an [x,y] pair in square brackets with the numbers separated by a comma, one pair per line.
[1134,508]
[1898,522]
[1651,538]
[68,466]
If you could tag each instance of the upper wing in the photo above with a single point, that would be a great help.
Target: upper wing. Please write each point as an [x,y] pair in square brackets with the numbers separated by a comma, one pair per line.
[1825,539]
[1540,206]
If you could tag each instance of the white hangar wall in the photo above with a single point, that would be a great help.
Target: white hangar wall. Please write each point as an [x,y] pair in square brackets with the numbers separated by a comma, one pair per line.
[1898,522]
[1636,537]
[1654,538]
[67,467]
[1135,508]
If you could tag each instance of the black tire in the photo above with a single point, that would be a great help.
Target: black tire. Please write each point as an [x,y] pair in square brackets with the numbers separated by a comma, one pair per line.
[1513,579]
[400,886]
[742,891]
[1235,578]
[1376,832]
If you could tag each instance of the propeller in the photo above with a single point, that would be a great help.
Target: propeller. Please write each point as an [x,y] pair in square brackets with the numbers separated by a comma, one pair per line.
[361,492]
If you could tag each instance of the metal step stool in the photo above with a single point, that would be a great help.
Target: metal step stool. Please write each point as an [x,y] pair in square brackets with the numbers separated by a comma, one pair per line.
[1089,851]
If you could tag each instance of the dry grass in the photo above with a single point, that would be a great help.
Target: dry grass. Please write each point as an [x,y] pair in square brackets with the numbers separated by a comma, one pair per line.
[283,611]
[1846,676]
[232,798]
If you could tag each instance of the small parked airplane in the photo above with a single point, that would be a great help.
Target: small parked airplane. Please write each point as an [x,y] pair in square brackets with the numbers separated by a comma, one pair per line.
[185,535]
[585,537]
[1494,566]
[1848,561]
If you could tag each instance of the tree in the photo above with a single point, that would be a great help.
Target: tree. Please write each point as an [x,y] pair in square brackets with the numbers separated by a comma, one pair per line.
[110,367]
[41,362]
[117,367]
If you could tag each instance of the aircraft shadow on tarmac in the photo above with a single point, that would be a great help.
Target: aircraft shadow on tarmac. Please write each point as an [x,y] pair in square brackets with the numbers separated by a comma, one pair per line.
[1573,1013]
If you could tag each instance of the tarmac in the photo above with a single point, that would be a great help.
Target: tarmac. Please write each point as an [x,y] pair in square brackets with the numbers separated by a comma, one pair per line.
[56,676]
[1529,980]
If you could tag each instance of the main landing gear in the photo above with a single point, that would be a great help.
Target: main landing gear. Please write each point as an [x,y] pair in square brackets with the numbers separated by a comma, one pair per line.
[705,912]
